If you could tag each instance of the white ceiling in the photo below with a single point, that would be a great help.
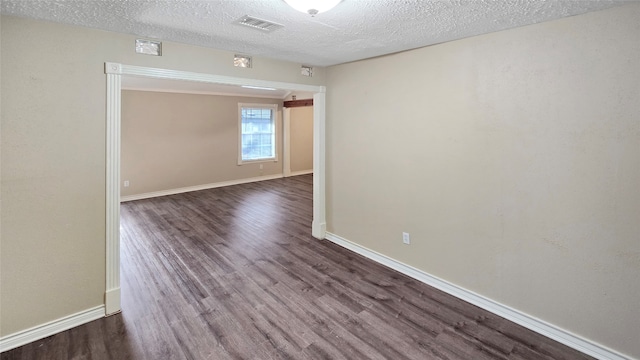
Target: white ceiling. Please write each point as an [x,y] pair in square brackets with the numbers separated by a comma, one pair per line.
[354,30]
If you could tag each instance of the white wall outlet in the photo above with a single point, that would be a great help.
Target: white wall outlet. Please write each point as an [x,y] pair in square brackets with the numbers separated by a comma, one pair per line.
[126,183]
[406,238]
[261,166]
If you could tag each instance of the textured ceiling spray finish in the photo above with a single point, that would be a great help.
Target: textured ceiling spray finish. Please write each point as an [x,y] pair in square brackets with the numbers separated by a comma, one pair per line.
[354,30]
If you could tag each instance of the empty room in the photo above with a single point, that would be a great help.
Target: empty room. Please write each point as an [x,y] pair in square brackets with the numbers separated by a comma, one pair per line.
[355,179]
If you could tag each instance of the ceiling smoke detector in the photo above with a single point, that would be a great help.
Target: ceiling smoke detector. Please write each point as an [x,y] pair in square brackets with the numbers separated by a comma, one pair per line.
[313,7]
[259,24]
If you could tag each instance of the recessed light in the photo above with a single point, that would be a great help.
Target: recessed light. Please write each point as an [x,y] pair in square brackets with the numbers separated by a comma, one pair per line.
[257,87]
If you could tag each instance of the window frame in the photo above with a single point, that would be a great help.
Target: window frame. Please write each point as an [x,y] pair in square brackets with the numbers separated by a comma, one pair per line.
[274,119]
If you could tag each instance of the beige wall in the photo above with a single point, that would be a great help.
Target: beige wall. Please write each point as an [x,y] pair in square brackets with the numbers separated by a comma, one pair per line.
[171,141]
[512,159]
[301,130]
[52,249]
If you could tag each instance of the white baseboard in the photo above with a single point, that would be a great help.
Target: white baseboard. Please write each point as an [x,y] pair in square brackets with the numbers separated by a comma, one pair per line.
[301,172]
[551,331]
[197,188]
[51,328]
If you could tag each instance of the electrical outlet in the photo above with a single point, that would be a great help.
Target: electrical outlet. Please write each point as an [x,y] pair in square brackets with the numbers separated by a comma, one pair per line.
[126,183]
[406,238]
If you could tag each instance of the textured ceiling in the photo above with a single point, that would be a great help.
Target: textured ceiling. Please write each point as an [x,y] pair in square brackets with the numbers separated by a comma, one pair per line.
[354,30]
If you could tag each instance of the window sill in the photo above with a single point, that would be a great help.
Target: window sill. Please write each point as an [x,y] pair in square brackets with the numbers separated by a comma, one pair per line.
[258,161]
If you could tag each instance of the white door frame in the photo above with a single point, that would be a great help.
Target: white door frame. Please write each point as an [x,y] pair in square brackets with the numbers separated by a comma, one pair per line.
[114,72]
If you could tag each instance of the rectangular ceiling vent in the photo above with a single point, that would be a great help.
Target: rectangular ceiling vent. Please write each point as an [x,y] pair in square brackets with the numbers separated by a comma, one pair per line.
[255,23]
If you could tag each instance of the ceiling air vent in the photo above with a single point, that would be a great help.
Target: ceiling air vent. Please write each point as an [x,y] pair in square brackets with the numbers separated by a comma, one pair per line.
[255,23]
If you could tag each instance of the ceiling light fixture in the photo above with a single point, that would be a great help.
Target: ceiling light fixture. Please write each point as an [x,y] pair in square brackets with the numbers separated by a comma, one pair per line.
[312,7]
[242,61]
[149,47]
[257,87]
[306,71]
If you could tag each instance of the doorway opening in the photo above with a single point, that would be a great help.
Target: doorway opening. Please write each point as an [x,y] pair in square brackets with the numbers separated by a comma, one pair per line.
[298,136]
[115,73]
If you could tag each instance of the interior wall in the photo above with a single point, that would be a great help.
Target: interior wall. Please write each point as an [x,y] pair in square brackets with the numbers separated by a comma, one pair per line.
[53,158]
[172,141]
[301,142]
[512,159]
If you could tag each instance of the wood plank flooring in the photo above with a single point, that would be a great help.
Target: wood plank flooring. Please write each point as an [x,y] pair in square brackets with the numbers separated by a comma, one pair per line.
[233,273]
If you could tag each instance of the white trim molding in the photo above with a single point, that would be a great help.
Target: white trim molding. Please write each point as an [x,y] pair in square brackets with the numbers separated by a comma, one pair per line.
[544,328]
[121,69]
[197,92]
[36,333]
[319,223]
[114,73]
[112,292]
[198,188]
[112,303]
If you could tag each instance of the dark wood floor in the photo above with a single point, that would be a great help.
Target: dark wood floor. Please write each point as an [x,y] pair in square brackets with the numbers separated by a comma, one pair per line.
[232,273]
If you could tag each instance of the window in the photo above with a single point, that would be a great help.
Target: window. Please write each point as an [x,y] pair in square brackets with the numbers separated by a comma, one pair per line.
[257,131]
